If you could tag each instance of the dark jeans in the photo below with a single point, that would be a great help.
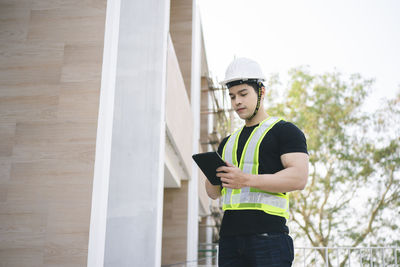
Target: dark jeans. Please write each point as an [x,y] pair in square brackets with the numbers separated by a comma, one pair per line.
[256,250]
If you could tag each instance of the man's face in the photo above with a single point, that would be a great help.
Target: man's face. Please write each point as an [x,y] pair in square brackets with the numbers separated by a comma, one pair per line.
[243,100]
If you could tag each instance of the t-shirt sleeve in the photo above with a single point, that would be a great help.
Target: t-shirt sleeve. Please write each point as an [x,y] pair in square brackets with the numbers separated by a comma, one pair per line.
[221,145]
[291,139]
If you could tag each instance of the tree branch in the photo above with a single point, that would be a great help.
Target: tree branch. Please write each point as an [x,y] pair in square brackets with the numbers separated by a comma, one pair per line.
[375,212]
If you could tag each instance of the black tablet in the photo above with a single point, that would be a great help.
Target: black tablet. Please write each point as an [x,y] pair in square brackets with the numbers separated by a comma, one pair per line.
[208,163]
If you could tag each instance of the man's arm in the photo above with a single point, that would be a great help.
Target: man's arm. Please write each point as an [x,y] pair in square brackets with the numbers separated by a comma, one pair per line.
[292,177]
[213,191]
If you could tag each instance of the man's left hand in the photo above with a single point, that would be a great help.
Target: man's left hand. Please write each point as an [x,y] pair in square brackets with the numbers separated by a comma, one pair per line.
[232,177]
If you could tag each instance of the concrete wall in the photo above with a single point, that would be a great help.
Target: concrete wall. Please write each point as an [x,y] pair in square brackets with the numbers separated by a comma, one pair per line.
[50,66]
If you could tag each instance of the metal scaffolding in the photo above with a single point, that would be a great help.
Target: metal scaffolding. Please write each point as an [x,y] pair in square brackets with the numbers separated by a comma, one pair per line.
[220,113]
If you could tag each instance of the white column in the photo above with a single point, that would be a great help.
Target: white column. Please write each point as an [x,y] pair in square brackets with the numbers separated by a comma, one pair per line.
[193,207]
[126,230]
[98,214]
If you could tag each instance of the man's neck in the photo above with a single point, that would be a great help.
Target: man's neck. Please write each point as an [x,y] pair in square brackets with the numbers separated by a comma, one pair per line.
[259,117]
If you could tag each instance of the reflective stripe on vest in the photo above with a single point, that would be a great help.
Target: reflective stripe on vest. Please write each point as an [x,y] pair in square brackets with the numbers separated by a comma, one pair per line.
[248,197]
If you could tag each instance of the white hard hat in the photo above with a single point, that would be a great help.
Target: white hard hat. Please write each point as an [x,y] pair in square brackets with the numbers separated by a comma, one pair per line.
[243,69]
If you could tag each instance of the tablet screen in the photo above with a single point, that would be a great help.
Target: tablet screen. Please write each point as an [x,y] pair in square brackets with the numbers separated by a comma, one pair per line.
[208,162]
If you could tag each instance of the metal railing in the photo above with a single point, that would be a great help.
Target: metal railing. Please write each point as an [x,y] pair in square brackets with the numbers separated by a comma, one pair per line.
[315,256]
[207,257]
[347,256]
[208,252]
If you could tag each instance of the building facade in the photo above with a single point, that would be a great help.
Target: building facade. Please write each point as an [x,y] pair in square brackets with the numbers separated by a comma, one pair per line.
[100,112]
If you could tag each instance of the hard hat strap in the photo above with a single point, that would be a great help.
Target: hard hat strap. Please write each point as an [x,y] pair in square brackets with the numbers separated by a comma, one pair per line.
[259,85]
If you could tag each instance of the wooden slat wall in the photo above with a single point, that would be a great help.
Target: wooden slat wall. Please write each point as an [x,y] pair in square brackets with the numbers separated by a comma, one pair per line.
[50,70]
[181,35]
[175,210]
[204,117]
[175,216]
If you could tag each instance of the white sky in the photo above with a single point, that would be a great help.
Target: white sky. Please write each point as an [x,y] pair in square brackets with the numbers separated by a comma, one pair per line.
[348,36]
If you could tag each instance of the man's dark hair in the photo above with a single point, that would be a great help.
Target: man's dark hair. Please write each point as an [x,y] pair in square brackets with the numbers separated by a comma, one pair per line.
[252,83]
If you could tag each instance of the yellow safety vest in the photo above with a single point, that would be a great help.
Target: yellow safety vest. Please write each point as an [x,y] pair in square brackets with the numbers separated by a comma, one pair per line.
[247,197]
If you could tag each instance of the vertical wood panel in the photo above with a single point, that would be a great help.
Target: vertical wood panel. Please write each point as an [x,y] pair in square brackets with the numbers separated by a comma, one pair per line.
[175,224]
[181,35]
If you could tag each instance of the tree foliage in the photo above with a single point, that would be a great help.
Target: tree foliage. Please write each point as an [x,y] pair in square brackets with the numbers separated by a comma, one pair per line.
[353,193]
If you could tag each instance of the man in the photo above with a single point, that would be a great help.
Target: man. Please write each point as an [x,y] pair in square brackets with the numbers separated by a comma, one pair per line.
[266,158]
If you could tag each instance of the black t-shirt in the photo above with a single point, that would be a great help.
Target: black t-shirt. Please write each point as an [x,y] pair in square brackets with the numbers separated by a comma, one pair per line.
[283,137]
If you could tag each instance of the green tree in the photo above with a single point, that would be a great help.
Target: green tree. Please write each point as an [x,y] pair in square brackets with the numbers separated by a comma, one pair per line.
[353,193]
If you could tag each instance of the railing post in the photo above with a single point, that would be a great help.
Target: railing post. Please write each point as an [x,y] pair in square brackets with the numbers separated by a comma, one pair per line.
[326,257]
[348,253]
[315,255]
[304,257]
[337,256]
[217,254]
[383,257]
[370,257]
